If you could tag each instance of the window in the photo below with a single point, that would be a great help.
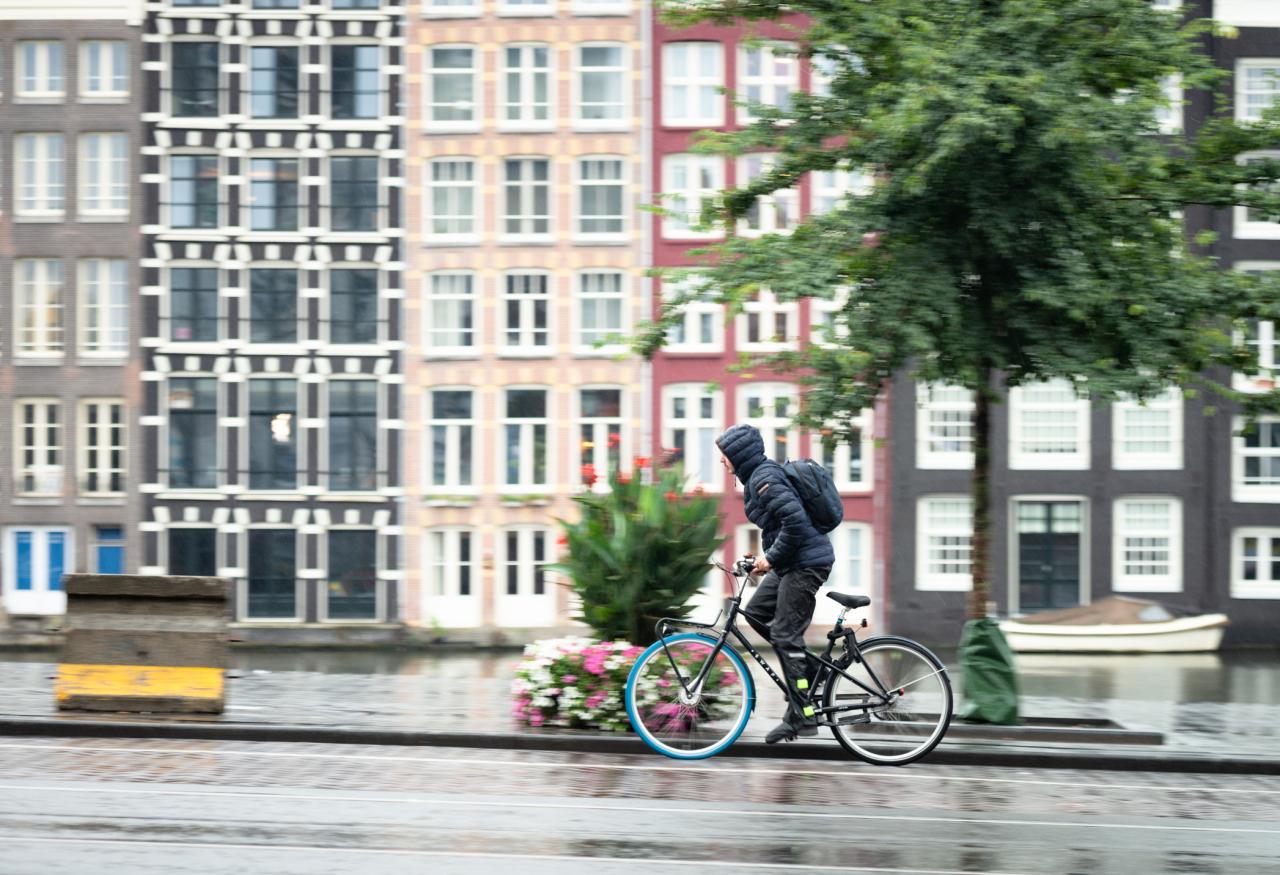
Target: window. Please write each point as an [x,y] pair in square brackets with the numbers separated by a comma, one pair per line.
[272,587]
[193,191]
[40,70]
[450,462]
[600,198]
[108,550]
[601,85]
[767,75]
[273,82]
[450,562]
[601,7]
[273,305]
[526,7]
[193,551]
[526,300]
[1148,436]
[849,461]
[451,314]
[701,324]
[193,432]
[353,435]
[1256,224]
[356,4]
[194,79]
[526,86]
[353,305]
[599,435]
[1169,118]
[769,407]
[273,194]
[830,187]
[1263,341]
[828,321]
[355,89]
[453,93]
[196,2]
[692,76]
[689,182]
[944,426]
[692,417]
[38,310]
[40,186]
[275,4]
[1257,87]
[1255,563]
[1167,4]
[272,428]
[353,186]
[352,590]
[104,307]
[1147,549]
[193,304]
[453,195]
[1256,462]
[767,324]
[38,442]
[944,543]
[525,427]
[524,561]
[852,571]
[776,212]
[601,299]
[104,69]
[451,8]
[527,197]
[35,559]
[1048,427]
[104,173]
[102,447]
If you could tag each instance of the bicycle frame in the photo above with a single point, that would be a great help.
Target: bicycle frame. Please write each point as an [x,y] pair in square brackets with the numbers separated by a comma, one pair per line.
[875,697]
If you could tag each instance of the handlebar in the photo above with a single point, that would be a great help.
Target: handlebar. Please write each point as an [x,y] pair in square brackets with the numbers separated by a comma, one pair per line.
[744,567]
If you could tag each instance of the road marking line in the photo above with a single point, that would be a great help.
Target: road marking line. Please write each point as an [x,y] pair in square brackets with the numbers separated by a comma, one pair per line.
[206,793]
[483,855]
[879,774]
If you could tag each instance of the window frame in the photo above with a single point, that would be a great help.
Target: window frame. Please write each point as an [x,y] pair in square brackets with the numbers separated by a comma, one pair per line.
[247,320]
[580,71]
[769,420]
[47,288]
[1267,587]
[51,83]
[1122,460]
[580,297]
[528,196]
[840,456]
[246,436]
[942,581]
[106,59]
[113,172]
[764,307]
[42,172]
[166,545]
[325,554]
[527,75]
[243,582]
[1241,92]
[1242,226]
[326,310]
[379,444]
[1268,341]
[600,457]
[527,463]
[431,185]
[48,447]
[526,305]
[476,79]
[330,102]
[841,580]
[472,298]
[769,84]
[771,210]
[693,393]
[1122,530]
[1021,459]
[676,229]
[249,92]
[453,466]
[510,9]
[836,184]
[695,85]
[219,434]
[196,183]
[300,202]
[581,185]
[89,443]
[691,315]
[352,185]
[927,458]
[167,317]
[1240,491]
[169,105]
[115,312]
[467,9]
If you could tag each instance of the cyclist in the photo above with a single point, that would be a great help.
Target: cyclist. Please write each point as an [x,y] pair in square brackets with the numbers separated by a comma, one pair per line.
[797,559]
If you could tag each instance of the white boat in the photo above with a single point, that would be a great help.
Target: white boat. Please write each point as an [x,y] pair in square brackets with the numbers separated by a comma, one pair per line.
[1115,625]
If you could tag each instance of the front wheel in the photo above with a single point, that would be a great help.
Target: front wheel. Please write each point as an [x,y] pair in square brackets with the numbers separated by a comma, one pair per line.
[689,724]
[908,720]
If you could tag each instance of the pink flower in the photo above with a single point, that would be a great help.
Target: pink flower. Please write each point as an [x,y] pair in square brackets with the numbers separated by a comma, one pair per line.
[536,719]
[729,678]
[569,679]
[664,683]
[596,699]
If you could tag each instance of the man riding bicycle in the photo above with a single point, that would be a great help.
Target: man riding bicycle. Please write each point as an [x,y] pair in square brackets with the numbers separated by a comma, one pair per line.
[798,559]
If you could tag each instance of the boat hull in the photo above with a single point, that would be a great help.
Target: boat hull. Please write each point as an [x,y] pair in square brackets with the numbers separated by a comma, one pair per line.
[1181,635]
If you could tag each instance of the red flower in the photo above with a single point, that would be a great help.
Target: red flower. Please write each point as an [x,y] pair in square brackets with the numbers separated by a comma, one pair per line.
[670,496]
[624,477]
[589,475]
[615,439]
[643,461]
[562,541]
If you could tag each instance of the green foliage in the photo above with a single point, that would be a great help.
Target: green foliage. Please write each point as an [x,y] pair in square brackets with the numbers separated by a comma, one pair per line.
[639,553]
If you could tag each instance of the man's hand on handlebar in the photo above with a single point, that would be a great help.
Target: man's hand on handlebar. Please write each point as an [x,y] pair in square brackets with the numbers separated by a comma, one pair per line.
[761,565]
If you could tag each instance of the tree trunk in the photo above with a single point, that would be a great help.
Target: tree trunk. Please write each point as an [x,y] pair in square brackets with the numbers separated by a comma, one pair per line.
[981,494]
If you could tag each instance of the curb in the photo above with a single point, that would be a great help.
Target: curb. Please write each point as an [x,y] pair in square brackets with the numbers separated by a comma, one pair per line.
[996,755]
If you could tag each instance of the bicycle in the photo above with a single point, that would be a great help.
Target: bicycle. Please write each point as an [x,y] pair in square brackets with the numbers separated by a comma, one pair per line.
[690,694]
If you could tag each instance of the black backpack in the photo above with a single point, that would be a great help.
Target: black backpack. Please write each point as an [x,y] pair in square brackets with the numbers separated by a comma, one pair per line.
[818,493]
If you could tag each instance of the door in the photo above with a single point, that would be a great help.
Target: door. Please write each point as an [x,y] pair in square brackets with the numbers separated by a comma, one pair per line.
[35,558]
[526,597]
[1048,541]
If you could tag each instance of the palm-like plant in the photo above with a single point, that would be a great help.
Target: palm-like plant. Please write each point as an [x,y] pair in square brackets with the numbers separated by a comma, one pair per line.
[639,553]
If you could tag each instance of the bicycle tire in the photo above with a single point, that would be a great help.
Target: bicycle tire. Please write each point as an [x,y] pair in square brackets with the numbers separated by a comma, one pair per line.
[640,697]
[881,738]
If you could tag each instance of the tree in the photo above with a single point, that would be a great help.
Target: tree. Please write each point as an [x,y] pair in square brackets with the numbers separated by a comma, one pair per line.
[1024,222]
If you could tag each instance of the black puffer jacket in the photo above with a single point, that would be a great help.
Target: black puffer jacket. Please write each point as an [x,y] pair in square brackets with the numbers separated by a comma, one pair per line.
[789,538]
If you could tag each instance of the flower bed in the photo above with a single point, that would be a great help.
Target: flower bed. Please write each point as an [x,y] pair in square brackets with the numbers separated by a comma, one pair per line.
[579,683]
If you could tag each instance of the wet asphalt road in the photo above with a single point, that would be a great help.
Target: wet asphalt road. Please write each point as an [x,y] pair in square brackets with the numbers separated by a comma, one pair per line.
[98,806]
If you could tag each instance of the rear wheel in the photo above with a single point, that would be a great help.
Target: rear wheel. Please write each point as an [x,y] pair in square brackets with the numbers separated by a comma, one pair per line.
[689,724]
[905,723]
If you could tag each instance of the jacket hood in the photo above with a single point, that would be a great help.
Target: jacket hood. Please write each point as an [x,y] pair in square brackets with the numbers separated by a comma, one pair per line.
[743,446]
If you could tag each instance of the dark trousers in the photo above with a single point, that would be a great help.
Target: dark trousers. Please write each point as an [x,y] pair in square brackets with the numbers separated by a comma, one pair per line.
[781,611]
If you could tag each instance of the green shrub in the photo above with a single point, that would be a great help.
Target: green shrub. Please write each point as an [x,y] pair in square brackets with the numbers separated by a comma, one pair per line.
[639,552]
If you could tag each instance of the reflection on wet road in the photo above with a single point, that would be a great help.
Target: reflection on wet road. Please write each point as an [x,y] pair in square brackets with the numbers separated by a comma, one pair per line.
[118,806]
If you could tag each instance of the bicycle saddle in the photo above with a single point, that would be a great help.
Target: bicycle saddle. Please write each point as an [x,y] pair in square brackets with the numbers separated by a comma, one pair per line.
[849,601]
